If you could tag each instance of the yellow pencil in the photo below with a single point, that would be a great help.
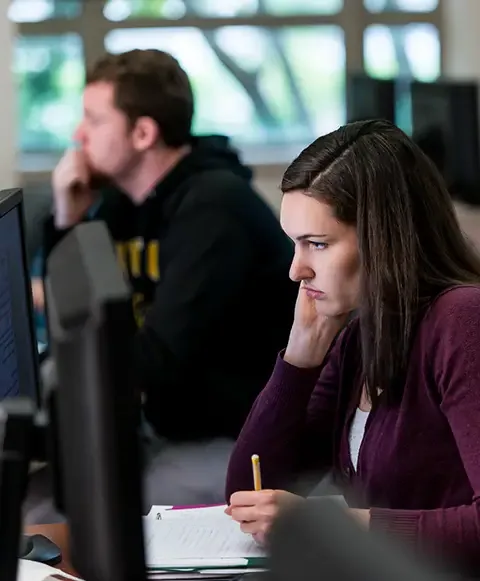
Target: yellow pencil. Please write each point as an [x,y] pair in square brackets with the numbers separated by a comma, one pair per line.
[257,476]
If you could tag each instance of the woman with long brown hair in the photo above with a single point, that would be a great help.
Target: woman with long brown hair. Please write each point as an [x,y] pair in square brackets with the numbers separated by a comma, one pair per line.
[391,405]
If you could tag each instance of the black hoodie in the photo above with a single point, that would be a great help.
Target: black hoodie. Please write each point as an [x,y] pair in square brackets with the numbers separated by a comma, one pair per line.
[208,265]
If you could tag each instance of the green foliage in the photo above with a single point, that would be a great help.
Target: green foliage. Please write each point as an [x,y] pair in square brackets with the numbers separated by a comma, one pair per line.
[292,88]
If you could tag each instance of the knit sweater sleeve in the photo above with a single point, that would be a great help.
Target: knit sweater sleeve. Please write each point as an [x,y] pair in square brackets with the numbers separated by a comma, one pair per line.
[455,346]
[290,426]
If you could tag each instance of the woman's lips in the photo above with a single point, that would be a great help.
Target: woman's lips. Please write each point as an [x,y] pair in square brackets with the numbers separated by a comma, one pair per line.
[313,293]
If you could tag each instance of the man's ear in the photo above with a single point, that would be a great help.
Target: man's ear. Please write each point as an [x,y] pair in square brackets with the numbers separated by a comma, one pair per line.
[145,133]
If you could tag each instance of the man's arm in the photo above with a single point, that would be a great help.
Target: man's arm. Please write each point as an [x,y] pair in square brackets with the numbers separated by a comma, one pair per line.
[52,235]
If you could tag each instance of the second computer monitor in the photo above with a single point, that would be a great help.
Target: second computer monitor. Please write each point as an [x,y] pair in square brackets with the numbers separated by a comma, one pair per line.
[369,98]
[445,124]
[18,348]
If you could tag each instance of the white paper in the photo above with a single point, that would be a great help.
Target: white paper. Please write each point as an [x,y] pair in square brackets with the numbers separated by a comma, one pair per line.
[210,542]
[157,509]
[166,512]
[33,571]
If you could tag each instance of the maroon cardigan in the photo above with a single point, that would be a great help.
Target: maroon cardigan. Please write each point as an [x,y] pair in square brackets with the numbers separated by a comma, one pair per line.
[419,462]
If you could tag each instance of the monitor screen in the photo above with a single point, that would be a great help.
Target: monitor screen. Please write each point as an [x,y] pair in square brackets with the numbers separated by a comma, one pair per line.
[445,125]
[432,125]
[369,98]
[430,107]
[18,372]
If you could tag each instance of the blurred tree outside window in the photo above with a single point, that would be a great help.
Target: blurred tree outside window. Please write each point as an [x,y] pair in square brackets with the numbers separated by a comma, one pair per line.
[39,10]
[255,84]
[276,77]
[404,52]
[401,5]
[176,9]
[50,75]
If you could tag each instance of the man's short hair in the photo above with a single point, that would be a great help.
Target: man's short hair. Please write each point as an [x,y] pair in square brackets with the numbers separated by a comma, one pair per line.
[150,83]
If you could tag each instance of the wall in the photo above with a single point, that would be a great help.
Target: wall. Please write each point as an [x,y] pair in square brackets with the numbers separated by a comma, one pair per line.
[461,52]
[460,39]
[8,147]
[267,182]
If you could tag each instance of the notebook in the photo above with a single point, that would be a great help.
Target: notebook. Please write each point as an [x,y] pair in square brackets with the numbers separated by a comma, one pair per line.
[198,539]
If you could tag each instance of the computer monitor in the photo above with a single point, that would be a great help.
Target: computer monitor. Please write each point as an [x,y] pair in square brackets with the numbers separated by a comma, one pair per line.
[369,98]
[91,326]
[19,379]
[18,347]
[16,431]
[445,124]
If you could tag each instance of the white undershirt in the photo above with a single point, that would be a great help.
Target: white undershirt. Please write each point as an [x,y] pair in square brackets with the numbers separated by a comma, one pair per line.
[357,431]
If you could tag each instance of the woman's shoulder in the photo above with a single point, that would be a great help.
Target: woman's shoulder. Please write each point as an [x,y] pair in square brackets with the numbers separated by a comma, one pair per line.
[452,311]
[455,300]
[449,339]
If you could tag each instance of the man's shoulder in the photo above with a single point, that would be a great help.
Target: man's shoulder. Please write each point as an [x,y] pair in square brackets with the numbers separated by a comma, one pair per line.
[218,186]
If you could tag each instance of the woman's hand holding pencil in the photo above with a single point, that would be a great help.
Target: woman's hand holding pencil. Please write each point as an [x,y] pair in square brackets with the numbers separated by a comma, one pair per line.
[256,510]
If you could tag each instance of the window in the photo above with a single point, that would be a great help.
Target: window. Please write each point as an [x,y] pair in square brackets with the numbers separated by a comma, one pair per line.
[412,50]
[266,72]
[256,84]
[403,52]
[38,10]
[50,74]
[117,10]
[401,5]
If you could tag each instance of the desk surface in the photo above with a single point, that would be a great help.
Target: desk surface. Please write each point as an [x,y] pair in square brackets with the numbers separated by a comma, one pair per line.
[58,533]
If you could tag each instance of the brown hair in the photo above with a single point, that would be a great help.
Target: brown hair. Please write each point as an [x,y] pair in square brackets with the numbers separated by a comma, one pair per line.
[411,246]
[150,83]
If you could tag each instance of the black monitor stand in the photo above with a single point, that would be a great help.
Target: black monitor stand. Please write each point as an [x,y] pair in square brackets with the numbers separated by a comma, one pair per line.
[19,427]
[16,424]
[38,547]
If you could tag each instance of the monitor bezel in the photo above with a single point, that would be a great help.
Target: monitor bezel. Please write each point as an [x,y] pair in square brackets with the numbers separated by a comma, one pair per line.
[10,199]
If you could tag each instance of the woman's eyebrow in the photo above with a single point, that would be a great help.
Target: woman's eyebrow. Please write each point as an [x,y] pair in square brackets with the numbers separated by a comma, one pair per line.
[305,236]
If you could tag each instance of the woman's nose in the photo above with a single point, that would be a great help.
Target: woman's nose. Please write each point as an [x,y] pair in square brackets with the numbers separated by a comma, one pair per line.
[300,270]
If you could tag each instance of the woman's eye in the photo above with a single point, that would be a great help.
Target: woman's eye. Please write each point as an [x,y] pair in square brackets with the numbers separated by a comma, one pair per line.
[317,245]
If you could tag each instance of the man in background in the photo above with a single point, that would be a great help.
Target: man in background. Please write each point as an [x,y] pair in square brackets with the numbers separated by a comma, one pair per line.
[206,258]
